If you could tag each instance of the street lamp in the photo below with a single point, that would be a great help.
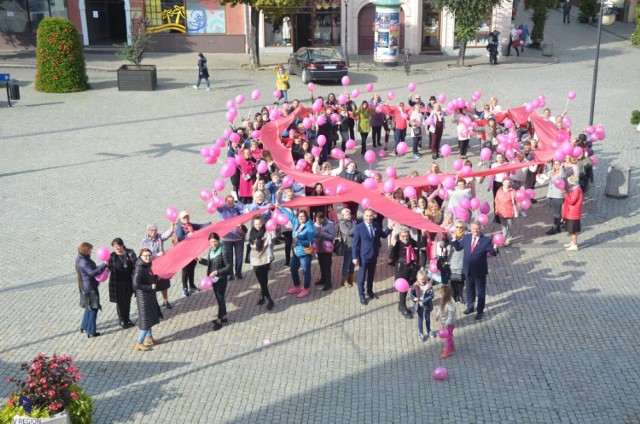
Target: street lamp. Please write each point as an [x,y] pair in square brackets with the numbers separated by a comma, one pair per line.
[606,17]
[346,29]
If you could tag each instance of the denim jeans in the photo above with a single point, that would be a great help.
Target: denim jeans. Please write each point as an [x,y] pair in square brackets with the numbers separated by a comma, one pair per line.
[89,321]
[347,263]
[203,78]
[144,334]
[398,136]
[424,316]
[303,261]
[231,249]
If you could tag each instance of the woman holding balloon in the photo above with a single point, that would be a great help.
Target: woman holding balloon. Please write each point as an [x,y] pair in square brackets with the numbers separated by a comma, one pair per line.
[405,256]
[87,271]
[121,266]
[506,209]
[217,272]
[436,128]
[555,194]
[364,114]
[303,238]
[248,173]
[416,120]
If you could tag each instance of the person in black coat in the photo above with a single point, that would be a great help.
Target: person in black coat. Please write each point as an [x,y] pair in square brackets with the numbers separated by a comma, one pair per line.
[404,255]
[218,270]
[121,266]
[149,313]
[203,72]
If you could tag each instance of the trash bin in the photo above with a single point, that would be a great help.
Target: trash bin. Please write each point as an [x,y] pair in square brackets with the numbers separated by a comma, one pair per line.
[14,91]
[547,49]
[618,182]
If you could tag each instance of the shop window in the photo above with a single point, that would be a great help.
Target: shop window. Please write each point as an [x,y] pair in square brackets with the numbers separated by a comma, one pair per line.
[430,27]
[481,38]
[205,17]
[25,16]
[165,16]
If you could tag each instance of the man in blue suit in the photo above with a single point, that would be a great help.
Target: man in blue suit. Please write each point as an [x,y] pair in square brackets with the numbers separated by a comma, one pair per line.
[476,248]
[366,241]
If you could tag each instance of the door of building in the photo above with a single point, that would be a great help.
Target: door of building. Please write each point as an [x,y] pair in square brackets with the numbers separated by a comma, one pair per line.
[106,22]
[431,27]
[366,29]
[301,31]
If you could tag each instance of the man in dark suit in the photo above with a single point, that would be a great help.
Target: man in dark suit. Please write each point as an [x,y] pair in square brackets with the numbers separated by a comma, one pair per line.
[476,248]
[366,241]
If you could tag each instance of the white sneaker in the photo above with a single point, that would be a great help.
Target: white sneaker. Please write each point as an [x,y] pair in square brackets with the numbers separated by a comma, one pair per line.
[523,213]
[573,247]
[208,89]
[195,87]
[568,245]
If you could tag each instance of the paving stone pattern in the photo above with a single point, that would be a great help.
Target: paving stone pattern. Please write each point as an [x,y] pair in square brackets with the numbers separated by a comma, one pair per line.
[558,343]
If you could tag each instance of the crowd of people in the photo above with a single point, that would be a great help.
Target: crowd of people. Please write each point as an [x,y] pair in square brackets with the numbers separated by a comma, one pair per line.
[456,257]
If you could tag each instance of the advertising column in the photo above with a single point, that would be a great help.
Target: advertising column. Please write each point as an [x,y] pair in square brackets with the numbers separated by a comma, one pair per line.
[387,33]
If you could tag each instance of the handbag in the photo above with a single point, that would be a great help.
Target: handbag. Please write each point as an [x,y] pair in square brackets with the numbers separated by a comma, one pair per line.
[163,284]
[528,42]
[339,247]
[287,85]
[308,250]
[417,131]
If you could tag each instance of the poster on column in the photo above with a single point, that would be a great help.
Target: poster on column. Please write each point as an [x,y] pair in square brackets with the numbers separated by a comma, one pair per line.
[387,30]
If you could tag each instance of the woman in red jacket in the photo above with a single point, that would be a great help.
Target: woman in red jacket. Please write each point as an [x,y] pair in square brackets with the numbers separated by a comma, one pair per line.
[505,205]
[572,211]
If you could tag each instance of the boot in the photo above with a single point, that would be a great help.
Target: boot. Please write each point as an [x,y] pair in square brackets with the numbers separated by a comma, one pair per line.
[551,232]
[140,346]
[350,280]
[270,303]
[445,353]
[247,256]
[261,300]
[150,341]
[345,281]
[402,305]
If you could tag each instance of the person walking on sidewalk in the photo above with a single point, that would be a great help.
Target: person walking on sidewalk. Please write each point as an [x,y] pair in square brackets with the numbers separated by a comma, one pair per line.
[203,72]
[566,10]
[282,83]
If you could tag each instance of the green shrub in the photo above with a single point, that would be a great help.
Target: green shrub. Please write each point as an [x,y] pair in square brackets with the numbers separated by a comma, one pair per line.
[135,51]
[635,117]
[11,409]
[635,37]
[81,408]
[60,58]
[587,11]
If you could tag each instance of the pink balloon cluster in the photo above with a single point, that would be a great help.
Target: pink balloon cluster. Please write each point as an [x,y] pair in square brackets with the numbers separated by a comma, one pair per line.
[103,276]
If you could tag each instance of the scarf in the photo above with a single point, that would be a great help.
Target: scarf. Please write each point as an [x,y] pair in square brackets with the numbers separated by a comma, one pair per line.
[214,253]
[410,254]
[257,237]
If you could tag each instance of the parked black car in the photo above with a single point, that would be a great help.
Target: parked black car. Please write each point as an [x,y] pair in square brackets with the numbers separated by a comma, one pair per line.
[318,63]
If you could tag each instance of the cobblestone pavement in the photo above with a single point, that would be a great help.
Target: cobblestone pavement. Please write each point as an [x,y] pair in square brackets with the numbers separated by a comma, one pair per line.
[559,338]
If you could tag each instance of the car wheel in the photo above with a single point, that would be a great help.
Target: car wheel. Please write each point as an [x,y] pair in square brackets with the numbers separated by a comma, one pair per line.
[291,68]
[306,76]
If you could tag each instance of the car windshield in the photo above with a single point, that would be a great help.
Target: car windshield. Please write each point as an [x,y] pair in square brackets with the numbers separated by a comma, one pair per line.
[324,54]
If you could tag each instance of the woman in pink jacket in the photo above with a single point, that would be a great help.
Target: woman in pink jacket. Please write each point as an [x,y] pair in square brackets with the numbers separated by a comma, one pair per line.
[400,115]
[572,211]
[506,209]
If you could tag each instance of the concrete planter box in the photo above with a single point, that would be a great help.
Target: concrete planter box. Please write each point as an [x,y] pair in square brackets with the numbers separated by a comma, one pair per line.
[137,78]
[60,418]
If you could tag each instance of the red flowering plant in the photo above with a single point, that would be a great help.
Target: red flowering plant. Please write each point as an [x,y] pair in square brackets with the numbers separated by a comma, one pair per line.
[49,383]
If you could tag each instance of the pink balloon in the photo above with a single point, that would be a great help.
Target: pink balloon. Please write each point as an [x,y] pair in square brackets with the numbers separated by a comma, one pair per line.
[227,171]
[221,142]
[525,204]
[382,153]
[529,107]
[337,153]
[227,132]
[519,32]
[355,93]
[370,156]
[458,164]
[412,87]
[530,193]
[103,253]
[466,170]
[559,155]
[443,194]
[256,134]
[262,167]
[320,120]
[409,192]
[401,285]
[311,86]
[443,333]
[234,137]
[206,283]
[271,225]
[433,267]
[402,148]
[391,95]
[576,152]
[327,246]
[239,99]
[595,160]
[231,104]
[449,182]
[559,183]
[205,194]
[103,276]
[350,144]
[214,150]
[321,140]
[485,208]
[315,151]
[474,204]
[390,171]
[255,95]
[171,213]
[342,99]
[218,201]
[566,146]
[440,373]
[466,203]
[366,203]
[520,195]
[317,105]
[482,219]
[485,154]
[389,186]
[442,98]
[429,121]
[341,188]
[571,95]
[433,179]
[287,181]
[277,94]
[345,80]
[218,184]
[498,239]
[211,206]
[282,219]
[370,184]
[306,123]
[229,116]
[566,122]
[369,87]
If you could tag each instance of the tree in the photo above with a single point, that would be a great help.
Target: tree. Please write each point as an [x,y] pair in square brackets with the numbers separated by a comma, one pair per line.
[587,11]
[467,13]
[635,37]
[539,18]
[270,7]
[60,58]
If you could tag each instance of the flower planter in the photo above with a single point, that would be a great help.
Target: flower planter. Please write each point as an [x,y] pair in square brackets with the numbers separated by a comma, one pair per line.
[59,418]
[137,78]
